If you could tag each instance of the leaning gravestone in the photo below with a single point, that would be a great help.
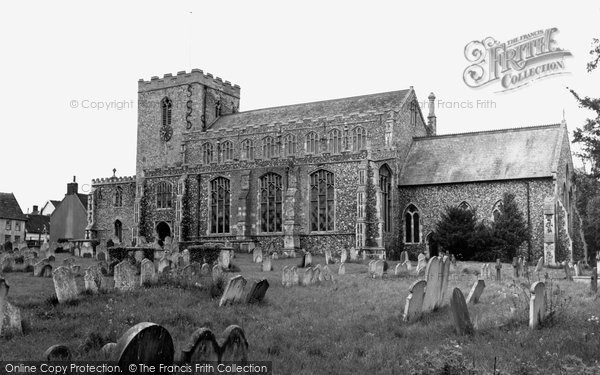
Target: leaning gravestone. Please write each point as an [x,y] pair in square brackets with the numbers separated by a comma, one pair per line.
[414,301]
[40,269]
[421,264]
[266,264]
[233,291]
[147,272]
[460,313]
[10,316]
[217,272]
[295,279]
[257,291]
[57,353]
[225,259]
[64,284]
[125,276]
[378,267]
[537,304]
[540,265]
[257,255]
[343,256]
[476,291]
[146,343]
[434,285]
[342,269]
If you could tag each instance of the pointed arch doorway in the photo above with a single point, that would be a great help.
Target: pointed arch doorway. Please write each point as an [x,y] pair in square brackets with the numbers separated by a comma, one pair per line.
[163,230]
[432,246]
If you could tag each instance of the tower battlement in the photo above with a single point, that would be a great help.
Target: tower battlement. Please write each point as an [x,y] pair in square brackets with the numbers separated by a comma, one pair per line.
[185,78]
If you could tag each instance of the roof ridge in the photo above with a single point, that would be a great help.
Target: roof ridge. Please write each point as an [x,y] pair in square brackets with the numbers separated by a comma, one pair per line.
[504,130]
[314,102]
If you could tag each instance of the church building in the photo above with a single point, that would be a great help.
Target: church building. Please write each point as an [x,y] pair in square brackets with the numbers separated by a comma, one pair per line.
[367,172]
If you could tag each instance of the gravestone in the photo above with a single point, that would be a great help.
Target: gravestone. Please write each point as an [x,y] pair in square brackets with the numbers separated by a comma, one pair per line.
[525,269]
[343,256]
[342,269]
[258,291]
[163,265]
[217,272]
[445,267]
[378,269]
[57,353]
[125,276]
[399,269]
[316,274]
[594,281]
[403,256]
[408,265]
[235,346]
[294,276]
[537,304]
[540,266]
[233,291]
[460,313]
[453,260]
[498,270]
[567,272]
[434,285]
[353,254]
[307,260]
[108,350]
[414,301]
[64,284]
[91,282]
[205,269]
[202,347]
[286,276]
[275,256]
[225,259]
[307,276]
[326,273]
[76,268]
[421,264]
[186,257]
[42,268]
[266,264]
[515,264]
[146,343]
[578,269]
[138,255]
[328,259]
[476,291]
[101,256]
[371,268]
[147,272]
[10,316]
[69,262]
[257,255]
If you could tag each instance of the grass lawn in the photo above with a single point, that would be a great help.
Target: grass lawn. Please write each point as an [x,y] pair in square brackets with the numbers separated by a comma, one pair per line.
[350,326]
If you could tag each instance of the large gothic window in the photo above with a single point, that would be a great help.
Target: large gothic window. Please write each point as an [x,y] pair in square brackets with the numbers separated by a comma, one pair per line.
[289,144]
[248,149]
[412,230]
[227,150]
[166,106]
[271,201]
[312,143]
[385,184]
[219,205]
[321,201]
[335,141]
[164,195]
[118,202]
[359,138]
[270,148]
[207,153]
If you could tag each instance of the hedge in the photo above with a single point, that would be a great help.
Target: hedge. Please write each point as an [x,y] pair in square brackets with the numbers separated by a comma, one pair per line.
[122,253]
[208,253]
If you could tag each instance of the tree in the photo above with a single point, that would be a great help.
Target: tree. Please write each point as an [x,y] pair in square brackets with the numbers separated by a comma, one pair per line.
[509,229]
[591,226]
[454,231]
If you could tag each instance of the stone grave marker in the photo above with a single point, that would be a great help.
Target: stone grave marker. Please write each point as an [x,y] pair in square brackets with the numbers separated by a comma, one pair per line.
[378,269]
[233,291]
[414,301]
[328,258]
[399,269]
[146,343]
[537,304]
[421,264]
[235,346]
[266,264]
[403,256]
[343,256]
[202,347]
[217,272]
[353,254]
[316,274]
[342,269]
[476,291]
[108,350]
[515,264]
[578,269]
[147,272]
[408,265]
[525,269]
[125,276]
[186,257]
[101,256]
[42,269]
[69,262]
[460,313]
[275,256]
[163,265]
[10,316]
[567,272]
[57,353]
[138,255]
[433,284]
[594,280]
[91,284]
[307,276]
[285,276]
[64,284]
[371,267]
[445,267]
[76,268]
[326,273]
[225,259]
[205,269]
[295,279]
[257,255]
[453,260]
[498,270]
[258,291]
[307,259]
[540,266]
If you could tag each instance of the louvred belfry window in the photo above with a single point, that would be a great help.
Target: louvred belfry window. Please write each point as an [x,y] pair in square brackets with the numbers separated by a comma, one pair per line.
[220,205]
[322,201]
[271,201]
[164,195]
[166,107]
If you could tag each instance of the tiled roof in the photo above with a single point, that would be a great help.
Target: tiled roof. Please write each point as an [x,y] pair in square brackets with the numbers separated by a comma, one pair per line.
[9,207]
[517,153]
[83,198]
[326,108]
[36,223]
[55,203]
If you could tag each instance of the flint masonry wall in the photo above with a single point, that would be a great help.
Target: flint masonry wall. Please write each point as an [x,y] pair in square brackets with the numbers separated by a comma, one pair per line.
[106,212]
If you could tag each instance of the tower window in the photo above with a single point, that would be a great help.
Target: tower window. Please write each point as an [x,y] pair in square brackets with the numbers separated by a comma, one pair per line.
[270,149]
[248,149]
[227,150]
[322,201]
[166,108]
[335,141]
[271,201]
[164,195]
[289,144]
[207,153]
[359,138]
[119,230]
[118,202]
[219,205]
[312,143]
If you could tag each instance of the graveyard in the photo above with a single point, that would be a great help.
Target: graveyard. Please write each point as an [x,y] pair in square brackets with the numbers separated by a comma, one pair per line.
[331,322]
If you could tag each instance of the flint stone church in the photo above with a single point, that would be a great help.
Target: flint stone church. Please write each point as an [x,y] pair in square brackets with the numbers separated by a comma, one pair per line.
[367,172]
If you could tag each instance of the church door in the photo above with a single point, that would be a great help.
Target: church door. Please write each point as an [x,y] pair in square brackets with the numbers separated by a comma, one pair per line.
[163,230]
[432,246]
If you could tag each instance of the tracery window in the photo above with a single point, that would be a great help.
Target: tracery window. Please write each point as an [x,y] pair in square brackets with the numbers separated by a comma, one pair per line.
[220,203]
[322,201]
[271,202]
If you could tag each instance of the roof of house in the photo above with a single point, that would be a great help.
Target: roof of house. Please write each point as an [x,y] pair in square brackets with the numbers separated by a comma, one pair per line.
[9,207]
[37,223]
[529,152]
[55,203]
[83,198]
[325,108]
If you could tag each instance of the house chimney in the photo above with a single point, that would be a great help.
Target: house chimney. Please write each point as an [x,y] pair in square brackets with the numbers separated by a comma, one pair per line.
[72,187]
[35,210]
[431,119]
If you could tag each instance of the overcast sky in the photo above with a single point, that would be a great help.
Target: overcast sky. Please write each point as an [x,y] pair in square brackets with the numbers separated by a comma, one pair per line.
[56,52]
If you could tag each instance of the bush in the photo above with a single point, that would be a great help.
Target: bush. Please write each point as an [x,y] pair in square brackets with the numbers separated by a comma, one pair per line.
[208,253]
[455,231]
[122,253]
[510,229]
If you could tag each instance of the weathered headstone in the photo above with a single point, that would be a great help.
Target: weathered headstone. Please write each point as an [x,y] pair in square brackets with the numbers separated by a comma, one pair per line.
[307,276]
[371,268]
[328,258]
[202,346]
[185,254]
[125,276]
[235,346]
[257,255]
[275,256]
[342,269]
[57,353]
[540,266]
[421,264]
[515,264]
[434,268]
[138,255]
[326,273]
[163,265]
[537,304]
[378,269]
[567,272]
[445,275]
[286,276]
[460,313]
[225,259]
[307,260]
[414,301]
[594,281]
[408,265]
[108,350]
[353,254]
[146,343]
[42,269]
[266,264]
[498,270]
[205,269]
[258,291]
[217,272]
[578,269]
[69,262]
[147,272]
[316,274]
[233,291]
[295,279]
[343,256]
[10,316]
[92,279]
[64,284]
[403,256]
[476,291]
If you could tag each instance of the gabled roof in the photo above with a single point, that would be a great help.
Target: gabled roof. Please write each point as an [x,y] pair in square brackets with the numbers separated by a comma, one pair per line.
[326,108]
[529,152]
[55,203]
[36,223]
[9,207]
[83,198]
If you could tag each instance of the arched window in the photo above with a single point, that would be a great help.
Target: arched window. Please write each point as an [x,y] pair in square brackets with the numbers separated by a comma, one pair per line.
[359,138]
[335,141]
[464,206]
[248,149]
[219,205]
[312,143]
[385,184]
[164,195]
[270,149]
[322,201]
[166,106]
[119,230]
[289,144]
[412,229]
[227,150]
[207,153]
[218,108]
[497,210]
[118,202]
[271,201]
